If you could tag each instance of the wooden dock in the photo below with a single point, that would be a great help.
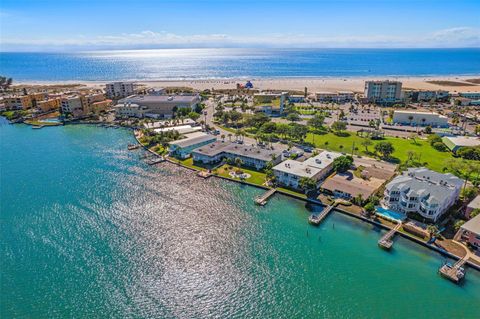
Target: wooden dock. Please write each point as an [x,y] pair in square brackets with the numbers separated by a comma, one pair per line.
[154,160]
[133,146]
[386,241]
[456,272]
[204,174]
[317,219]
[262,200]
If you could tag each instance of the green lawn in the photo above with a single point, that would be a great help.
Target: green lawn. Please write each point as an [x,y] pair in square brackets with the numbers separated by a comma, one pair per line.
[256,177]
[434,159]
[289,191]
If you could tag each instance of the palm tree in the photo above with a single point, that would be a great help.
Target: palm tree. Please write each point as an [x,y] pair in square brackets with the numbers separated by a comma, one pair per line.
[432,230]
[5,83]
[410,118]
[238,162]
[223,137]
[366,142]
[230,137]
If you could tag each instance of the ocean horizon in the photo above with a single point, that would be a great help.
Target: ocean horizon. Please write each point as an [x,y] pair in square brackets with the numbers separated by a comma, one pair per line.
[200,64]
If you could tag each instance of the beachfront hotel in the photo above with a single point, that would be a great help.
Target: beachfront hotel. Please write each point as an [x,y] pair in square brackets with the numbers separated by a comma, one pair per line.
[383,92]
[289,172]
[251,155]
[419,118]
[422,191]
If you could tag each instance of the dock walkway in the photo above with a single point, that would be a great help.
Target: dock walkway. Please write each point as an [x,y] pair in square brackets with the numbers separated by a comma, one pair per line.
[317,219]
[154,160]
[456,272]
[262,200]
[387,240]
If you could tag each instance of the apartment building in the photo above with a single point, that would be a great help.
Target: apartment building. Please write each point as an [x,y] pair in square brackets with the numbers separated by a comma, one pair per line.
[289,172]
[72,105]
[423,192]
[251,155]
[159,106]
[383,92]
[118,90]
[49,104]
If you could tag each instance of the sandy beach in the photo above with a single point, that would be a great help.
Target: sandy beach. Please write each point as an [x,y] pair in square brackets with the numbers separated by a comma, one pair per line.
[356,84]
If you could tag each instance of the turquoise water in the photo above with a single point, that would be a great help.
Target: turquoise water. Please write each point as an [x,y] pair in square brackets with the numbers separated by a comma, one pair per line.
[389,213]
[237,63]
[89,230]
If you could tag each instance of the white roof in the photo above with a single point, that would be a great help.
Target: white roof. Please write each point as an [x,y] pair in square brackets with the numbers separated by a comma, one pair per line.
[464,140]
[308,168]
[473,225]
[415,112]
[475,203]
[182,129]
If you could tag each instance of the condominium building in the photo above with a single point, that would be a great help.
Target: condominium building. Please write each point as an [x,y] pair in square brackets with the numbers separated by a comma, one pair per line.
[72,105]
[50,104]
[470,95]
[419,118]
[129,109]
[159,106]
[17,102]
[117,90]
[383,91]
[250,155]
[289,172]
[422,191]
[425,96]
[184,147]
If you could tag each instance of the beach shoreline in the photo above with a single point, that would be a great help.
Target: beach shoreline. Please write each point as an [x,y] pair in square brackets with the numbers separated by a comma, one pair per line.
[453,83]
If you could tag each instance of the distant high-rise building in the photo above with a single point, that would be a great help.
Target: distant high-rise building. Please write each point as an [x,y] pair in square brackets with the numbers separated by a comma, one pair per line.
[118,90]
[383,91]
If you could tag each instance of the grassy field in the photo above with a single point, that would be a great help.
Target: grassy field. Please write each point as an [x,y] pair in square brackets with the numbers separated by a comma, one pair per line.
[257,178]
[431,158]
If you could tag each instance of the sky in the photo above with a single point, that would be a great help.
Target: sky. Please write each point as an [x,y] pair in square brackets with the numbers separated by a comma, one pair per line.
[70,25]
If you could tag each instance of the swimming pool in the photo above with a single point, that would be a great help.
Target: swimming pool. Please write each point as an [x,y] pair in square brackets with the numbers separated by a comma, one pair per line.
[50,120]
[389,214]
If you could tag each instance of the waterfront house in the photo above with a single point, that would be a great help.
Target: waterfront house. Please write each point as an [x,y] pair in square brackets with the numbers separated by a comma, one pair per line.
[183,148]
[251,155]
[289,172]
[423,192]
[72,104]
[470,233]
[370,175]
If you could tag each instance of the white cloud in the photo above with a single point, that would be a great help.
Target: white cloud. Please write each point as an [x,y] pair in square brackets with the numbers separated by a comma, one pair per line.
[454,37]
